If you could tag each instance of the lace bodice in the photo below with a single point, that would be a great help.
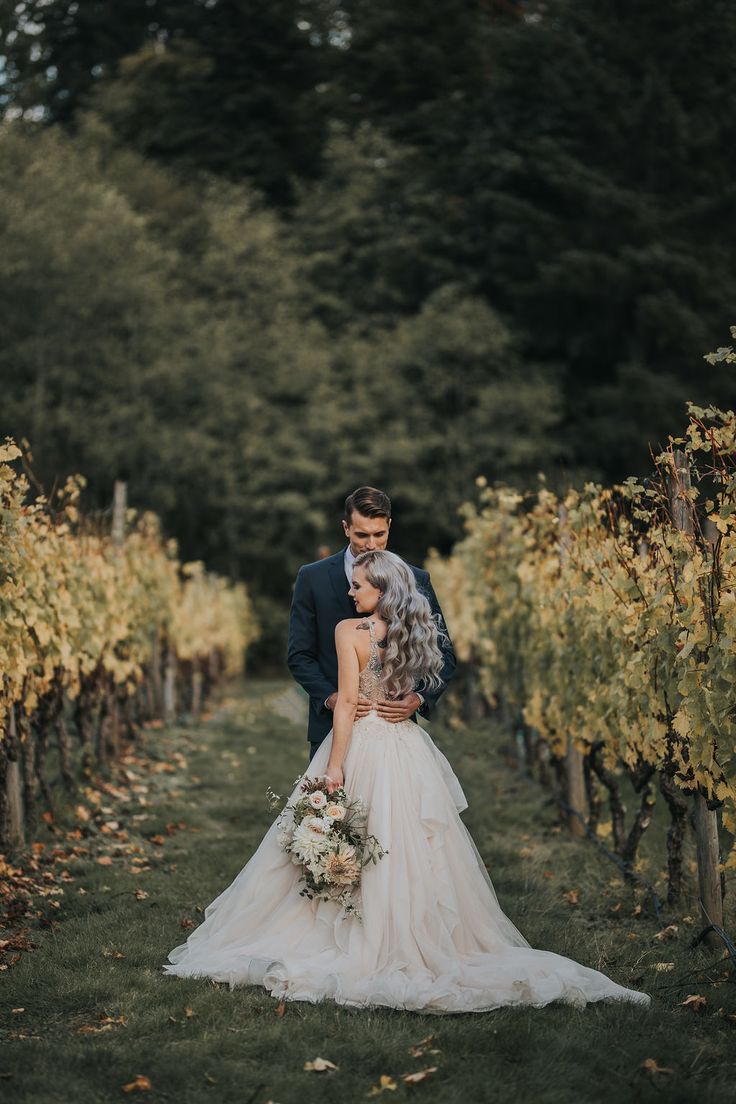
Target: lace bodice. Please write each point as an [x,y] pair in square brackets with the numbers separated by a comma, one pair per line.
[370,679]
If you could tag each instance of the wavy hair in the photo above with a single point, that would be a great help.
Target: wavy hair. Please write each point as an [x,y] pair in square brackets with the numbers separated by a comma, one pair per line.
[412,658]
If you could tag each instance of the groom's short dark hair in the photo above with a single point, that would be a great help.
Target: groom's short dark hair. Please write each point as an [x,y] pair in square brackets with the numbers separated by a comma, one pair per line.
[368,501]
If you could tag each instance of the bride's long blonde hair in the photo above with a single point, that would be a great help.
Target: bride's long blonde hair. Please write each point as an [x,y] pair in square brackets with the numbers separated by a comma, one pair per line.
[412,658]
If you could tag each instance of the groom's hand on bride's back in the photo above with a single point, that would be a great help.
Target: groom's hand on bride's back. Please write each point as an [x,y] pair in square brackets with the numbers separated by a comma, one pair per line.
[363,708]
[399,709]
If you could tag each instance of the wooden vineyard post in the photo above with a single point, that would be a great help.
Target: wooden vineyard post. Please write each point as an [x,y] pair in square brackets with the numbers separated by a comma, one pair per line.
[170,684]
[706,820]
[14,787]
[574,772]
[196,687]
[119,504]
[473,703]
[157,694]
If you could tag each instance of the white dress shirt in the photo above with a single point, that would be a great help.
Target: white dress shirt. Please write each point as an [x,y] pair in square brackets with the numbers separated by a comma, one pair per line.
[349,561]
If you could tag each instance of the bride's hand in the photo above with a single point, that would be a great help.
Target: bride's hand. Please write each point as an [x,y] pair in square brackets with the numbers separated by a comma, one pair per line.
[335,778]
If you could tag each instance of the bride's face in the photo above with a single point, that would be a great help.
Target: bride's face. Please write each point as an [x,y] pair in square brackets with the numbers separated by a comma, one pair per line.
[363,594]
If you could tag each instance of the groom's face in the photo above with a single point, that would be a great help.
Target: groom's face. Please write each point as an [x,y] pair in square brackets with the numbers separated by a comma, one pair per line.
[366,534]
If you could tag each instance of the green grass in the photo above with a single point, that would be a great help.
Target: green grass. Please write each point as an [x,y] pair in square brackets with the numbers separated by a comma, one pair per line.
[234,1047]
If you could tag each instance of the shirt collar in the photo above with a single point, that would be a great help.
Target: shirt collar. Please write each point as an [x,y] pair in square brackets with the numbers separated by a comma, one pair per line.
[349,560]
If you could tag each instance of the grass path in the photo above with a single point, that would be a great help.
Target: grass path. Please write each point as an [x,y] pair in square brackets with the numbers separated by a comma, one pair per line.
[187,812]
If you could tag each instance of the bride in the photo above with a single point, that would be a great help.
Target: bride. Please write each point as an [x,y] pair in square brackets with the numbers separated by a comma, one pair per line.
[433,937]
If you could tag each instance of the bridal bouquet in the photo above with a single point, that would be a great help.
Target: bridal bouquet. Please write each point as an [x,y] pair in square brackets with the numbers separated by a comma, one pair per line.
[325,833]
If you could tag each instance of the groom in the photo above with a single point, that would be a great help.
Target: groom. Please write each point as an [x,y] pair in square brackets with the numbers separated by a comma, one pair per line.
[321,600]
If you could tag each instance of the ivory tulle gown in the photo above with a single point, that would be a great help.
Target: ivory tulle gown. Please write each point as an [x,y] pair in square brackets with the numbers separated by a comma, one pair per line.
[433,937]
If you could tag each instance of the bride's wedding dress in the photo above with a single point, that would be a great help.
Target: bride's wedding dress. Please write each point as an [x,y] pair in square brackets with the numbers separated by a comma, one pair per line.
[433,937]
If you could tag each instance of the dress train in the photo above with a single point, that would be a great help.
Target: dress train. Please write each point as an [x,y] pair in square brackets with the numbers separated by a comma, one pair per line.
[433,937]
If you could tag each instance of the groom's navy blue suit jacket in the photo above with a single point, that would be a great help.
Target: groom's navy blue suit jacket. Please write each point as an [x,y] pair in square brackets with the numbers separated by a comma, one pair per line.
[320,601]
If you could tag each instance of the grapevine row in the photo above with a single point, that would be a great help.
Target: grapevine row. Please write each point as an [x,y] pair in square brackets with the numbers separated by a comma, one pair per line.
[98,633]
[603,623]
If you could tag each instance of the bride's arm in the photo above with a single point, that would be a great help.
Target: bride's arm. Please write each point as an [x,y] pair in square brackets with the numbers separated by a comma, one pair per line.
[348,673]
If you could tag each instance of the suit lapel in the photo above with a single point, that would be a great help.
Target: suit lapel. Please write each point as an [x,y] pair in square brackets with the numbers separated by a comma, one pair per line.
[339,581]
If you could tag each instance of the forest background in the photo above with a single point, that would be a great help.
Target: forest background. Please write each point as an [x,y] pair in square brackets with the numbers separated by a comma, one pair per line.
[255,253]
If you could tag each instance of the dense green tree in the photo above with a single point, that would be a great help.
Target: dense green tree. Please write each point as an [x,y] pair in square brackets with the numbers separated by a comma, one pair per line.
[608,167]
[184,372]
[54,51]
[370,232]
[261,253]
[438,400]
[582,170]
[165,333]
[229,86]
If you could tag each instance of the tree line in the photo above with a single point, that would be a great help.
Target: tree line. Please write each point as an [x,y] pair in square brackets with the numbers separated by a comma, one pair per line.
[255,254]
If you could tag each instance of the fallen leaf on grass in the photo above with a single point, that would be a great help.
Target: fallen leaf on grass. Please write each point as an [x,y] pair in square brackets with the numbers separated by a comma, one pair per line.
[526,852]
[281,1009]
[17,1010]
[572,897]
[694,1001]
[670,932]
[423,1047]
[730,1016]
[104,860]
[385,1084]
[141,1084]
[420,1075]
[663,966]
[318,1065]
[113,954]
[650,1067]
[158,840]
[140,895]
[188,1012]
[187,925]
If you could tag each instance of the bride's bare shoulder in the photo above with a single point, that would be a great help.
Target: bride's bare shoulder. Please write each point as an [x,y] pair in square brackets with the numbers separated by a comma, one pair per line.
[342,628]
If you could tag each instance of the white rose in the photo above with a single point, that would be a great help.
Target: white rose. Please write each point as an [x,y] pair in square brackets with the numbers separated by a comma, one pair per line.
[335,812]
[317,799]
[318,826]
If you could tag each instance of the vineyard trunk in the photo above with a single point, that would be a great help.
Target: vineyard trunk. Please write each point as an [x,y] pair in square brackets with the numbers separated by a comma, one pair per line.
[706,820]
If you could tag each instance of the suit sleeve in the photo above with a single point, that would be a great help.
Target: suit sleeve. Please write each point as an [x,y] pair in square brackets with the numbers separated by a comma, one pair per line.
[431,697]
[302,649]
